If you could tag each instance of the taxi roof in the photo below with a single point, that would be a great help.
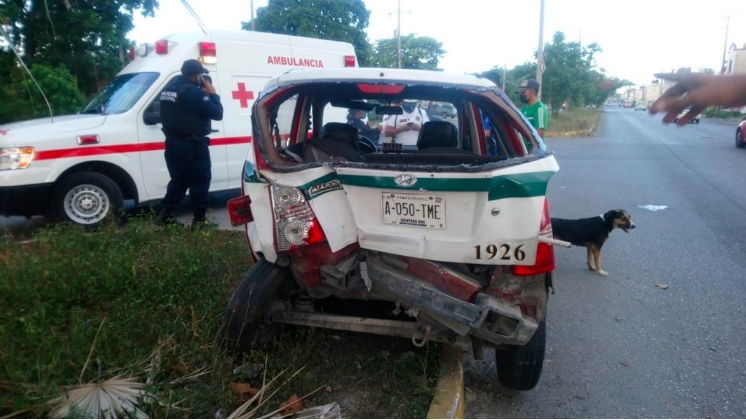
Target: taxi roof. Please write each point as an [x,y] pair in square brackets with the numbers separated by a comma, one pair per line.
[377,75]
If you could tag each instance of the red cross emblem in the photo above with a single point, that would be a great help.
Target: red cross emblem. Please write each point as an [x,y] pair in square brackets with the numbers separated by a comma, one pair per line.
[243,95]
[3,132]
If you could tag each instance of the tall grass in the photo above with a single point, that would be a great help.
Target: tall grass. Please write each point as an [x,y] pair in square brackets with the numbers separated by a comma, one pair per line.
[572,120]
[85,307]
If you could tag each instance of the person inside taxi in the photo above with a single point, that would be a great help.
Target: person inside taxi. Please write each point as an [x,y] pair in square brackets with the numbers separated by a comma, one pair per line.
[356,118]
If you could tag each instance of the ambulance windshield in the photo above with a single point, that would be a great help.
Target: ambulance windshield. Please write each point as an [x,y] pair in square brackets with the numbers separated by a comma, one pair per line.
[121,93]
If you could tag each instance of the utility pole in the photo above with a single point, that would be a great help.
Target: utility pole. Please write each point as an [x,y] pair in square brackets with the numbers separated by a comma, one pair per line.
[540,55]
[253,26]
[725,45]
[505,70]
[398,33]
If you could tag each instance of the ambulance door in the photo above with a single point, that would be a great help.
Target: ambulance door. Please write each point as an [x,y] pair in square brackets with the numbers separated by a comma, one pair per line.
[152,147]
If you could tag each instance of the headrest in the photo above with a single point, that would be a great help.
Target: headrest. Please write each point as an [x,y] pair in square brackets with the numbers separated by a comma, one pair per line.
[339,131]
[437,134]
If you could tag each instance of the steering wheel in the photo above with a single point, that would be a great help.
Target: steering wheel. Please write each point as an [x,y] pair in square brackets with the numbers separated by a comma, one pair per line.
[366,145]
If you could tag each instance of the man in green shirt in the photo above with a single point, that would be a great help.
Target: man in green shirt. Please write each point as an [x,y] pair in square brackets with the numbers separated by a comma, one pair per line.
[534,110]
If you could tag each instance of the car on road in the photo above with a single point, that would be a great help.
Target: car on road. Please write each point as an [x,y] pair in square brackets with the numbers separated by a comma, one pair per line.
[739,134]
[641,106]
[443,235]
[442,110]
[681,115]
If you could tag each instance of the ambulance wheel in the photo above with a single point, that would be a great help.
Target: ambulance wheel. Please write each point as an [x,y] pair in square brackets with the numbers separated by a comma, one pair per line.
[86,198]
[247,323]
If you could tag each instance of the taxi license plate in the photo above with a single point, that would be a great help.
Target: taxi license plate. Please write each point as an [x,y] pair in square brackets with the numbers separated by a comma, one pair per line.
[424,210]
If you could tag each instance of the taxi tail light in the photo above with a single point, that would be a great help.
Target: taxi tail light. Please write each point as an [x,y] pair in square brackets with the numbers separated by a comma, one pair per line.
[350,61]
[380,88]
[239,210]
[208,52]
[161,46]
[544,252]
[295,223]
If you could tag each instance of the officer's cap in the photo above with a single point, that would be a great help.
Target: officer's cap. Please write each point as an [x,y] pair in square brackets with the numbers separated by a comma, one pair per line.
[192,67]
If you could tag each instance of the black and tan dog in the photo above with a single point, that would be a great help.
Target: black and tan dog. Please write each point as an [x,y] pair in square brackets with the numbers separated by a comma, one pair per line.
[592,233]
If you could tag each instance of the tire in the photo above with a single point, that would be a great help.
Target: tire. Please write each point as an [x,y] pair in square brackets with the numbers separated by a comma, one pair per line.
[245,318]
[739,139]
[87,199]
[519,367]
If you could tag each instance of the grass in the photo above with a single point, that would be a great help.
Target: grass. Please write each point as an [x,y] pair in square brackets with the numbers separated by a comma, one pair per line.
[89,309]
[572,120]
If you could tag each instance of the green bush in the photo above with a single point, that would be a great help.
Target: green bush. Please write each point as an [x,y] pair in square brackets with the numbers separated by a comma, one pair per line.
[721,113]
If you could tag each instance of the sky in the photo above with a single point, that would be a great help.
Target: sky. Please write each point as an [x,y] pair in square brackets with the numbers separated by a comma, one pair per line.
[637,37]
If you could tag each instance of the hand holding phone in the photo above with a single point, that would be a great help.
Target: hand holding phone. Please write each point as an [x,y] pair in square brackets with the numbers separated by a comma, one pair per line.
[206,84]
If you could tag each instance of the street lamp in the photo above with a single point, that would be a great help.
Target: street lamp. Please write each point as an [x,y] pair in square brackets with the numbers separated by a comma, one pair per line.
[540,55]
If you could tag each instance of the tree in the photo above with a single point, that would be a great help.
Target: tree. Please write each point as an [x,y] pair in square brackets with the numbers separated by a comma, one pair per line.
[338,20]
[571,75]
[417,52]
[87,37]
[22,99]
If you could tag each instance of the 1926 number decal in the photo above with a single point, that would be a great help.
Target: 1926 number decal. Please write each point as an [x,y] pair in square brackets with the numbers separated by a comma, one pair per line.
[503,252]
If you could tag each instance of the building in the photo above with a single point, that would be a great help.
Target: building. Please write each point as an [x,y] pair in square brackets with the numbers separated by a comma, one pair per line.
[736,60]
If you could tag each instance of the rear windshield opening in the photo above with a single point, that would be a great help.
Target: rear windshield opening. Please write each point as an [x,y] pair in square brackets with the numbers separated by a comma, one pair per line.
[444,131]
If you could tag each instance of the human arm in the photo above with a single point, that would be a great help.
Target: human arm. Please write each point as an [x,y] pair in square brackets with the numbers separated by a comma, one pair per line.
[391,131]
[204,102]
[698,91]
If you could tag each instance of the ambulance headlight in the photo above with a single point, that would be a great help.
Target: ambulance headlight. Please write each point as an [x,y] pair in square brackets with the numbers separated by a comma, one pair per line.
[16,158]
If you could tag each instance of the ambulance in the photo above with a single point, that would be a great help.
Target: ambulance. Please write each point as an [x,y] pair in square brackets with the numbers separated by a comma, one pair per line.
[81,168]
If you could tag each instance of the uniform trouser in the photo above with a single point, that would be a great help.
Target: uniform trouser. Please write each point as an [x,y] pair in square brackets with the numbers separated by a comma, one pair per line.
[189,166]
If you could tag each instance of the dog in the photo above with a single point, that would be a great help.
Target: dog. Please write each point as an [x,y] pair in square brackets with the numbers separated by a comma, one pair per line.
[592,233]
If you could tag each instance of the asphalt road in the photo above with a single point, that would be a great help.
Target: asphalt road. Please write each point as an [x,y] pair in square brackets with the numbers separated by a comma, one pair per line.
[621,346]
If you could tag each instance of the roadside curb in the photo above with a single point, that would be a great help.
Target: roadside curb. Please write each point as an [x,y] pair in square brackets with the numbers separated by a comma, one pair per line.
[448,402]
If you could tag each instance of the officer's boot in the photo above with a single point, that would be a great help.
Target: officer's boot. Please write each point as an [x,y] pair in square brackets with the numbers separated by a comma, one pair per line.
[200,220]
[166,217]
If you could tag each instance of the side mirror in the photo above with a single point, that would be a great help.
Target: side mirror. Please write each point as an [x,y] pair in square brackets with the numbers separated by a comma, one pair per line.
[152,114]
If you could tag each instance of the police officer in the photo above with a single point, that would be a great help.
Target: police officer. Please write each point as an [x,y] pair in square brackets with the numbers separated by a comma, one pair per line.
[188,104]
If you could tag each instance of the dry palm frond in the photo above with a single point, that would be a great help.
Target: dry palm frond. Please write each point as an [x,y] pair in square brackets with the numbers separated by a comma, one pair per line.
[107,399]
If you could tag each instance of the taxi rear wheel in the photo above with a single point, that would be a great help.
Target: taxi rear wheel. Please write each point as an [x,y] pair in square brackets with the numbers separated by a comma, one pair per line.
[519,367]
[246,324]
[86,198]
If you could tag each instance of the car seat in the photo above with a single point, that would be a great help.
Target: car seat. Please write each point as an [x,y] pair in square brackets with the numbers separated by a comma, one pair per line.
[338,142]
[439,137]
